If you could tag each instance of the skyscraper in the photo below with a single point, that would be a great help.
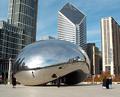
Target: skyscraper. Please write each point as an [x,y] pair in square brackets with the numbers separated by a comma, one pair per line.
[19,31]
[110,45]
[11,38]
[23,14]
[72,25]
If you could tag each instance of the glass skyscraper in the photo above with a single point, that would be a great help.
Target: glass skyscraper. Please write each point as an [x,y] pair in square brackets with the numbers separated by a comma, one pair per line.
[23,14]
[19,31]
[11,42]
[72,25]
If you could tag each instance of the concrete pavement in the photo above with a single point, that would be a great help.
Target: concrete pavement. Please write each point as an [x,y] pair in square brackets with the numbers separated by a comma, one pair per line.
[63,91]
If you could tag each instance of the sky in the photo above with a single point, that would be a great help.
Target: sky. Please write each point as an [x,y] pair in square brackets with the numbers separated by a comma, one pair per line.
[93,9]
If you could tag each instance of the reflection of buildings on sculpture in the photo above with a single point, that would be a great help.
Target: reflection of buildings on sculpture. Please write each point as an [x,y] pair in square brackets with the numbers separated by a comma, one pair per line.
[72,25]
[95,59]
[47,38]
[110,45]
[51,59]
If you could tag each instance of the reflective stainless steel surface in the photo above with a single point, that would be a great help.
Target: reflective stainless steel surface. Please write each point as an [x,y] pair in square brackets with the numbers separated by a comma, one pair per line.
[38,62]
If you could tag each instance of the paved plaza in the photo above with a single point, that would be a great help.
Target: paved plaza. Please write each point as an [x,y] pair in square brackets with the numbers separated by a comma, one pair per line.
[63,91]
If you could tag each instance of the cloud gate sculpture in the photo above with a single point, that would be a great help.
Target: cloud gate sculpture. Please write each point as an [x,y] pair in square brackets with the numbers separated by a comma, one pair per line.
[47,60]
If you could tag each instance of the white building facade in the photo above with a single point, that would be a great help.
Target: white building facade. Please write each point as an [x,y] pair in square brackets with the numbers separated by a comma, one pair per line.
[110,45]
[72,25]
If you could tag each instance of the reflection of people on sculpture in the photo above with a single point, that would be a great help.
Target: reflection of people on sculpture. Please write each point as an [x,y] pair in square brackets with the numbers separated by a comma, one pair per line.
[33,74]
[58,81]
[13,81]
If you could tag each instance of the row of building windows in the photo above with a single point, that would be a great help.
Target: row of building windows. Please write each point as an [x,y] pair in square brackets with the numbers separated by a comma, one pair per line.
[4,67]
[26,10]
[10,28]
[7,55]
[10,41]
[28,29]
[12,38]
[25,19]
[28,2]
[10,46]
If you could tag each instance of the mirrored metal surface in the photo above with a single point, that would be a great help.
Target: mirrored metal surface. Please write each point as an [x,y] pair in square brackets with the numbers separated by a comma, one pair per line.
[38,62]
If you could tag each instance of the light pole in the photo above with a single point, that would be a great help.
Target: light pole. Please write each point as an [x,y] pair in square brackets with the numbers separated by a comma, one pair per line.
[9,71]
[93,63]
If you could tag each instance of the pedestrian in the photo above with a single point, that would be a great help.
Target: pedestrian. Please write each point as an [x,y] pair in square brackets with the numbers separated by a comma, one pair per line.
[104,82]
[13,81]
[107,83]
[110,82]
[58,82]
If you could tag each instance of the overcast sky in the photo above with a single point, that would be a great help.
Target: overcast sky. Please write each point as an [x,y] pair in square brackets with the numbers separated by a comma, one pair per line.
[93,9]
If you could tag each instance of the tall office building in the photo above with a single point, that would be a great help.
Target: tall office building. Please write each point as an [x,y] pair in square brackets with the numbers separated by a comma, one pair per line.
[72,25]
[19,31]
[110,45]
[11,42]
[23,14]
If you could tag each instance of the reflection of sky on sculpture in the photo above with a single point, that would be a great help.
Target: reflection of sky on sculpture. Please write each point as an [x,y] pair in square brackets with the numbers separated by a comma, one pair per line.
[34,62]
[48,53]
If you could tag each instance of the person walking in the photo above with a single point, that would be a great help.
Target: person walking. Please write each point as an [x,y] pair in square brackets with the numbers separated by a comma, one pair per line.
[110,82]
[104,82]
[13,81]
[58,82]
[107,83]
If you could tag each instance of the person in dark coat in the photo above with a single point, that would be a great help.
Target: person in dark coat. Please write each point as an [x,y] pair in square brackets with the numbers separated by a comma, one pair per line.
[13,81]
[104,82]
[107,83]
